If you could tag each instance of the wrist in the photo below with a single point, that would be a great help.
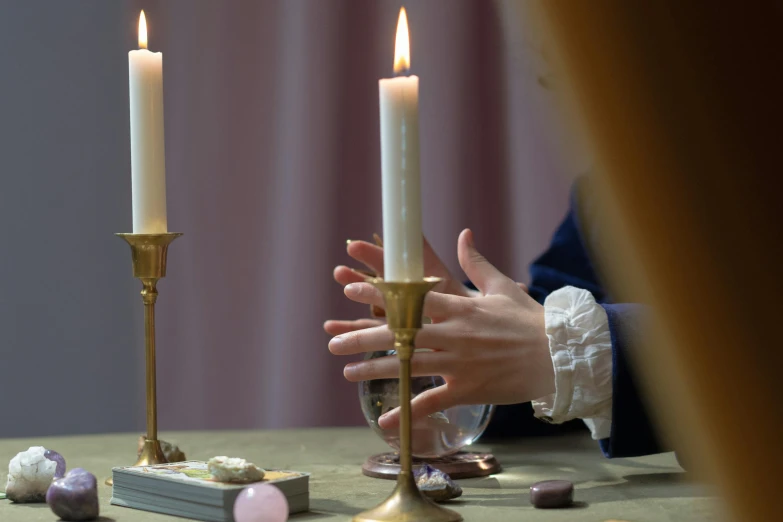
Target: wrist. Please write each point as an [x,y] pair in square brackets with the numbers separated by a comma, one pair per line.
[544,366]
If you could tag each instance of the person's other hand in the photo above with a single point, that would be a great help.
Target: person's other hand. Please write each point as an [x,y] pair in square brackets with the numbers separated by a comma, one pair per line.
[490,349]
[371,256]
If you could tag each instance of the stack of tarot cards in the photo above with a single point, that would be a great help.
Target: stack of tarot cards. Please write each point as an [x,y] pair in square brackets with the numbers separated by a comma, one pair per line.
[186,489]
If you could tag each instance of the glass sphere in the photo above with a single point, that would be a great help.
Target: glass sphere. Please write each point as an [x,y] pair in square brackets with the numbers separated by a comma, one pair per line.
[438,435]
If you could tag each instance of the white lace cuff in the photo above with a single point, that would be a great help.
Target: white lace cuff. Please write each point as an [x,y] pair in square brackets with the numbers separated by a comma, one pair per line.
[581,348]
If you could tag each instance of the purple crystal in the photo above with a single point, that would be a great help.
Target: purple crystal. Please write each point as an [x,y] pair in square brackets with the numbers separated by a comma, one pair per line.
[435,484]
[56,457]
[74,497]
[552,494]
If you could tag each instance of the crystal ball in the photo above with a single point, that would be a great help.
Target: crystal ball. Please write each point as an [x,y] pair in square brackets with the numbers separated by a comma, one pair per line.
[261,503]
[438,435]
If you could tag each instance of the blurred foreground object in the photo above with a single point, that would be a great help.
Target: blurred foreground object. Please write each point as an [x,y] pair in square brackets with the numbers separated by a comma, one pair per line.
[681,103]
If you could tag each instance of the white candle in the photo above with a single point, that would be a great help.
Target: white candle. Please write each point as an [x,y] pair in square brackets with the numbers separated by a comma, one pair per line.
[399,101]
[148,165]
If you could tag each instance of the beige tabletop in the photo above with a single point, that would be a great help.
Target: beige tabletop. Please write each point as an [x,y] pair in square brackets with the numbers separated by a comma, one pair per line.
[642,489]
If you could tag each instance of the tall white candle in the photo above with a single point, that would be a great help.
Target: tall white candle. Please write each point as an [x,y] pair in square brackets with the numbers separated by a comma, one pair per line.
[148,165]
[399,102]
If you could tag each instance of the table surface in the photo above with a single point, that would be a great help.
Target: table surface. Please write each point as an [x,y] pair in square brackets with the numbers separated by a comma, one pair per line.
[652,488]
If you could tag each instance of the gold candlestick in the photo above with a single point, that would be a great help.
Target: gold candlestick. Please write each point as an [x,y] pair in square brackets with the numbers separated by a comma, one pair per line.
[404,311]
[149,253]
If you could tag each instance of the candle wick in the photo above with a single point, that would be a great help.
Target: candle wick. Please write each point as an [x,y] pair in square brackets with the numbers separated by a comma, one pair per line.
[403,72]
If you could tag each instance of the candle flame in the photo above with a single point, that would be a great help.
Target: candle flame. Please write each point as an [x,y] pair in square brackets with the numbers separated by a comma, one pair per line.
[142,31]
[402,47]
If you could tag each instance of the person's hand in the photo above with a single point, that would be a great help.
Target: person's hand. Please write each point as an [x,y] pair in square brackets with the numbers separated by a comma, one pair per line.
[491,349]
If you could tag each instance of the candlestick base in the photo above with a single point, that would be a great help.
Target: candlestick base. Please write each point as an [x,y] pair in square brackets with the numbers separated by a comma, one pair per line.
[151,454]
[407,504]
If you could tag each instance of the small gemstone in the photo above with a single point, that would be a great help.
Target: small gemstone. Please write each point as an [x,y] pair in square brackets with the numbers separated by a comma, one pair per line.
[552,494]
[238,471]
[261,503]
[74,497]
[52,455]
[29,475]
[435,484]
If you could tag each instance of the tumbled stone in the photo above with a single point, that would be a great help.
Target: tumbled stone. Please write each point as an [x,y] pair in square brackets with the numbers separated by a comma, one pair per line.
[170,451]
[552,494]
[435,484]
[238,471]
[261,503]
[29,475]
[52,455]
[74,497]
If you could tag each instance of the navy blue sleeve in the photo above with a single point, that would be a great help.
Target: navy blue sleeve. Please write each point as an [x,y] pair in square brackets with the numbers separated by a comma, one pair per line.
[565,263]
[632,432]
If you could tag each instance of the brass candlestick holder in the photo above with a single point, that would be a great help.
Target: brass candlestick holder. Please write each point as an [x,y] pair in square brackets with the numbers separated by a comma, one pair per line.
[404,311]
[149,252]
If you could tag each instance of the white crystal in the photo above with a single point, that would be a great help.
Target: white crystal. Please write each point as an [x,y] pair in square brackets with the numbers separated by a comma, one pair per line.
[226,469]
[30,474]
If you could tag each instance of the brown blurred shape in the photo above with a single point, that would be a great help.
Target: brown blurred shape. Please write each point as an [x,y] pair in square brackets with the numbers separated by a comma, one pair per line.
[681,102]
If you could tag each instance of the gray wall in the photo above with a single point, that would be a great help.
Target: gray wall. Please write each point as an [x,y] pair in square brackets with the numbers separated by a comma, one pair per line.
[70,353]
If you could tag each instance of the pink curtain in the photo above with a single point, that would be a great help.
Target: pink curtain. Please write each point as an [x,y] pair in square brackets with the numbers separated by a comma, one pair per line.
[273,162]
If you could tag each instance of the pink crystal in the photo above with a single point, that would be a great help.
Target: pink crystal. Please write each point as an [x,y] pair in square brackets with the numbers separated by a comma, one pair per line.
[261,503]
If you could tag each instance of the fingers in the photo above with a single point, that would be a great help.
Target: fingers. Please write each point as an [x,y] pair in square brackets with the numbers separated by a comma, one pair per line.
[364,293]
[436,305]
[481,272]
[346,275]
[373,339]
[442,337]
[423,364]
[368,254]
[372,256]
[426,403]
[343,327]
